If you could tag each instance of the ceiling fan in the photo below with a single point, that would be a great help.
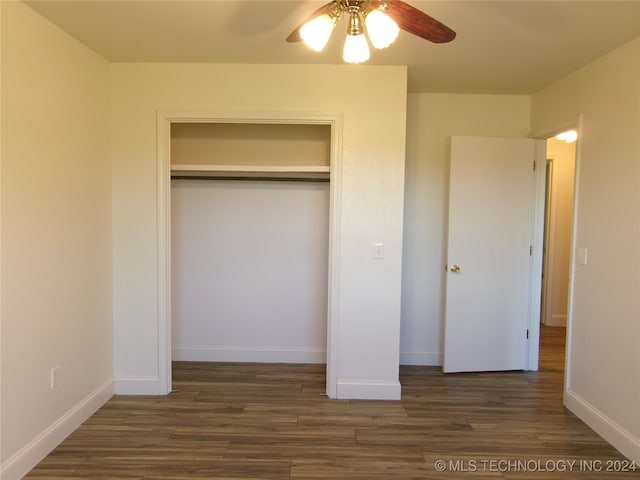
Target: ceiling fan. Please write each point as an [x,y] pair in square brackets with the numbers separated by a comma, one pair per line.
[381,20]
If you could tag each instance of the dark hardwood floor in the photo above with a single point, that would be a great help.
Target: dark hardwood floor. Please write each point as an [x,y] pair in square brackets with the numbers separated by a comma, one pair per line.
[552,348]
[248,421]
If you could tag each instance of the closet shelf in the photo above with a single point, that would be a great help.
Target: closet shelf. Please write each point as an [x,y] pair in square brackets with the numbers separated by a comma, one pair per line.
[311,172]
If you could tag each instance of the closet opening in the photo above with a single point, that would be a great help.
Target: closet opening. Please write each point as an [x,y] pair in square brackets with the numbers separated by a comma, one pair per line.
[251,224]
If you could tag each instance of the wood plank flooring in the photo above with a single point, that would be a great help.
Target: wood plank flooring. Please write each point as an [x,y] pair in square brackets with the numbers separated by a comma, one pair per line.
[248,421]
[552,348]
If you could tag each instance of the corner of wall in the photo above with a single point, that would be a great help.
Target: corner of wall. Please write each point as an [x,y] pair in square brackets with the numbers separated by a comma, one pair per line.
[614,433]
[19,464]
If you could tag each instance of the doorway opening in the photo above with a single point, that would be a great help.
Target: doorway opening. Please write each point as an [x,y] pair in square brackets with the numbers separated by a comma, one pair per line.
[557,250]
[251,175]
[249,242]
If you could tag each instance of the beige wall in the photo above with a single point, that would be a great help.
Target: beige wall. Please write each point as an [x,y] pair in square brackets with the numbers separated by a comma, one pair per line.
[604,324]
[249,271]
[56,235]
[431,121]
[368,309]
[250,144]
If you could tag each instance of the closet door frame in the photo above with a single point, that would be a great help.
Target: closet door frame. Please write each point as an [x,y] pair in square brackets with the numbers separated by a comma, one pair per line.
[164,121]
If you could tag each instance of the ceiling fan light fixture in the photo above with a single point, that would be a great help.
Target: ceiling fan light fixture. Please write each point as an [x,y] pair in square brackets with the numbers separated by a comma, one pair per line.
[382,30]
[315,34]
[383,20]
[356,48]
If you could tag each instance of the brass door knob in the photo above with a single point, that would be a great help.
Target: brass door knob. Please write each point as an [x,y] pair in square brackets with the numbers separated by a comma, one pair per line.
[455,268]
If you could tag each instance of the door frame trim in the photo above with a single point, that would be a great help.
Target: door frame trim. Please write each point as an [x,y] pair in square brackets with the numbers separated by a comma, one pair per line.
[548,242]
[163,152]
[537,245]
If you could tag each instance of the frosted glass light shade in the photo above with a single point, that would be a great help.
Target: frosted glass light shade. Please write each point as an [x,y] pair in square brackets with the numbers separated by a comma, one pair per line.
[316,33]
[569,136]
[356,49]
[382,30]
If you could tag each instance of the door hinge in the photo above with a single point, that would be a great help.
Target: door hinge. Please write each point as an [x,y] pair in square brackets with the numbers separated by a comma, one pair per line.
[527,334]
[534,165]
[530,250]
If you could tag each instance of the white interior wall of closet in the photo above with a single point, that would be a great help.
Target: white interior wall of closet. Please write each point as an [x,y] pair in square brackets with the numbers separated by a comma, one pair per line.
[249,258]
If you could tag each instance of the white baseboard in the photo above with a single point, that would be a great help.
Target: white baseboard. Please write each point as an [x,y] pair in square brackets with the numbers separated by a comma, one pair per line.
[200,353]
[19,464]
[368,390]
[425,359]
[137,386]
[623,440]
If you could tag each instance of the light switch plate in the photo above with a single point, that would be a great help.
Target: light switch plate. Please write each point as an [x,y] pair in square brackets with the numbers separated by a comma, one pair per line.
[581,256]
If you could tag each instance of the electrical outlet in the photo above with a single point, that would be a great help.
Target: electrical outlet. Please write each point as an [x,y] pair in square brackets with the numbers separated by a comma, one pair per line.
[53,379]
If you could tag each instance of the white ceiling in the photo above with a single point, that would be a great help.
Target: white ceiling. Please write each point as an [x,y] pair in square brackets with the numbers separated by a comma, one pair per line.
[507,47]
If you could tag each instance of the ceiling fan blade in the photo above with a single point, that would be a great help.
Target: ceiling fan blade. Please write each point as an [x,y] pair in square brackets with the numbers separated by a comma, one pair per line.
[418,23]
[295,35]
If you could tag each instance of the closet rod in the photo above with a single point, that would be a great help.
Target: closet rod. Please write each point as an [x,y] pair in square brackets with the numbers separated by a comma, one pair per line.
[250,178]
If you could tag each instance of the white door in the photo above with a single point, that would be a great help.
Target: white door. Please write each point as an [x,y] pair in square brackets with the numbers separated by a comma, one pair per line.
[488,275]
